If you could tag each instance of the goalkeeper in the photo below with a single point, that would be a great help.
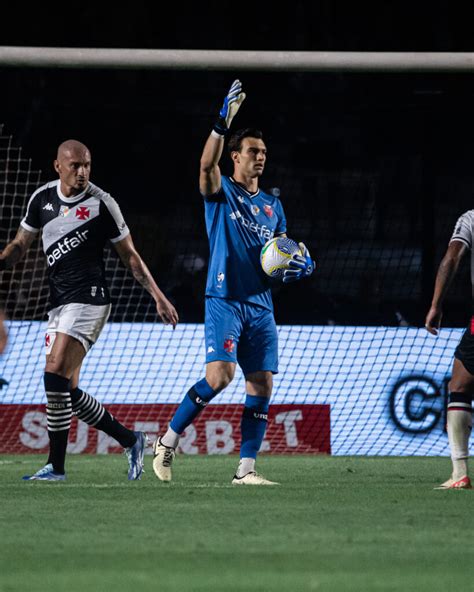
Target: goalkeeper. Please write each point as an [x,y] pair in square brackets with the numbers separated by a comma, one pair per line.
[78,219]
[239,323]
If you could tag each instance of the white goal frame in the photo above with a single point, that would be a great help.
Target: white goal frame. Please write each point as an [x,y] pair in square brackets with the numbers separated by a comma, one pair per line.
[288,61]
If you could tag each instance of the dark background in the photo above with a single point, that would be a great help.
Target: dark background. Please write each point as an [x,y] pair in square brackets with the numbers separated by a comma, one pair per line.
[373,169]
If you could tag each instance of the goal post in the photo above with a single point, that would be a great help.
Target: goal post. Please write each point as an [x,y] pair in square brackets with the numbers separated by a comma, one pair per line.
[286,61]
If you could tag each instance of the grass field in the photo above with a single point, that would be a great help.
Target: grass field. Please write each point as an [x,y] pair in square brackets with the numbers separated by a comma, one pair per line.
[335,524]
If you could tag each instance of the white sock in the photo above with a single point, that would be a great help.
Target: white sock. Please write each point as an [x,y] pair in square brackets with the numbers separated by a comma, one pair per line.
[246,465]
[170,439]
[459,430]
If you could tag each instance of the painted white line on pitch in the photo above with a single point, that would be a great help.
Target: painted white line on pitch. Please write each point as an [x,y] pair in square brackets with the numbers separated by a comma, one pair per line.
[214,485]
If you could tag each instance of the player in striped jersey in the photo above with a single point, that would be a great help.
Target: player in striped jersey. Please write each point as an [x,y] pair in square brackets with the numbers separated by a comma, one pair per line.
[461,385]
[77,219]
[239,322]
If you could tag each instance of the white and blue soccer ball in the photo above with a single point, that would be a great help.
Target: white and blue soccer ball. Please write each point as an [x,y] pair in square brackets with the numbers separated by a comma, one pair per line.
[276,255]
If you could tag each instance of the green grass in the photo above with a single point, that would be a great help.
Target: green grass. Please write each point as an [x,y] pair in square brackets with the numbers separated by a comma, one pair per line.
[334,524]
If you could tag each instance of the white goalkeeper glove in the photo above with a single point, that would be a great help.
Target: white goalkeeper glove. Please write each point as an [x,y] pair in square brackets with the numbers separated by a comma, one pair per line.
[300,266]
[235,97]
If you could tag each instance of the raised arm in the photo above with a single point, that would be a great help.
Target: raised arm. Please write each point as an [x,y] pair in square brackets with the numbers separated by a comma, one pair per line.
[16,249]
[132,261]
[446,273]
[210,174]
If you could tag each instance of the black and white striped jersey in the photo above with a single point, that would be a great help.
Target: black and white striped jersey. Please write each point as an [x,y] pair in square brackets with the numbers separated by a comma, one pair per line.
[75,231]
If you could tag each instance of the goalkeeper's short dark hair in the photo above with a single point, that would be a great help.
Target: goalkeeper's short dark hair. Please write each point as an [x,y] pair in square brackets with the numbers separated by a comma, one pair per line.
[235,141]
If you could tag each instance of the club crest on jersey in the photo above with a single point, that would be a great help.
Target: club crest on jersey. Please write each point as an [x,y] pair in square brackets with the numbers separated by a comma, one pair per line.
[255,210]
[268,210]
[229,344]
[63,211]
[83,213]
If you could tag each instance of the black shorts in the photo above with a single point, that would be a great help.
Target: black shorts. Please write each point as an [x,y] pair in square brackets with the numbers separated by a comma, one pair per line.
[465,349]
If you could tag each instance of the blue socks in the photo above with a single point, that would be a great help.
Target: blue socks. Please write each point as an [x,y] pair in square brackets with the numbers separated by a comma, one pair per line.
[253,425]
[191,406]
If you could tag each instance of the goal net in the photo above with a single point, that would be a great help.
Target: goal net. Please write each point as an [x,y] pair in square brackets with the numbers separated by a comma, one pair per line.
[358,373]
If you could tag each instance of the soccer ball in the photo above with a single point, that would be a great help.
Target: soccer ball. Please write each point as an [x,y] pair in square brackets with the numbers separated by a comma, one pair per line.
[276,254]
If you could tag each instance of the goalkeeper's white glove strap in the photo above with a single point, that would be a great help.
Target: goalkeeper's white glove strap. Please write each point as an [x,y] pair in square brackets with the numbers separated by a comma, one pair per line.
[214,134]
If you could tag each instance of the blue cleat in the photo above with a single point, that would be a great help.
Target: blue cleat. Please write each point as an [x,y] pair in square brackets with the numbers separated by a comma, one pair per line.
[45,474]
[135,456]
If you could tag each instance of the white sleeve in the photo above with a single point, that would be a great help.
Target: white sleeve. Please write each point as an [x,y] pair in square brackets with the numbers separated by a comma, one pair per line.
[31,220]
[116,225]
[463,229]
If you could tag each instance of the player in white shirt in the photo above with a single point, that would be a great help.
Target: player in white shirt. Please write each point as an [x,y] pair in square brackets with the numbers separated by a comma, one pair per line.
[461,385]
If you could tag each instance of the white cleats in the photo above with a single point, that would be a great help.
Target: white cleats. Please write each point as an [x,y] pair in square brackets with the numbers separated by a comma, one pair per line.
[252,478]
[463,483]
[162,461]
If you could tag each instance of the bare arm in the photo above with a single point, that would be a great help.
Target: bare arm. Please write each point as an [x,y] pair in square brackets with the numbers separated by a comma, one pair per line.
[446,273]
[16,249]
[10,255]
[210,174]
[132,261]
[3,333]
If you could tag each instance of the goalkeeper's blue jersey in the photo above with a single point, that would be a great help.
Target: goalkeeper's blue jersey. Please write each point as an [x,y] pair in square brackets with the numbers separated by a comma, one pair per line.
[238,224]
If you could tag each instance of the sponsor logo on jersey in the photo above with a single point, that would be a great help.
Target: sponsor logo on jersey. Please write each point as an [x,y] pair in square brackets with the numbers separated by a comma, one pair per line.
[268,210]
[63,211]
[255,210]
[48,206]
[83,213]
[210,350]
[241,198]
[229,345]
[259,229]
[66,246]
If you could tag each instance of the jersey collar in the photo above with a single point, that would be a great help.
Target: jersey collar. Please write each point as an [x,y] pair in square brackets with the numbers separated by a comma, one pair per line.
[70,199]
[251,195]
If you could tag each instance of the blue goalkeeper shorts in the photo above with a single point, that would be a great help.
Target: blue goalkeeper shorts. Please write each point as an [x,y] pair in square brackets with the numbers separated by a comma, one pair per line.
[242,333]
